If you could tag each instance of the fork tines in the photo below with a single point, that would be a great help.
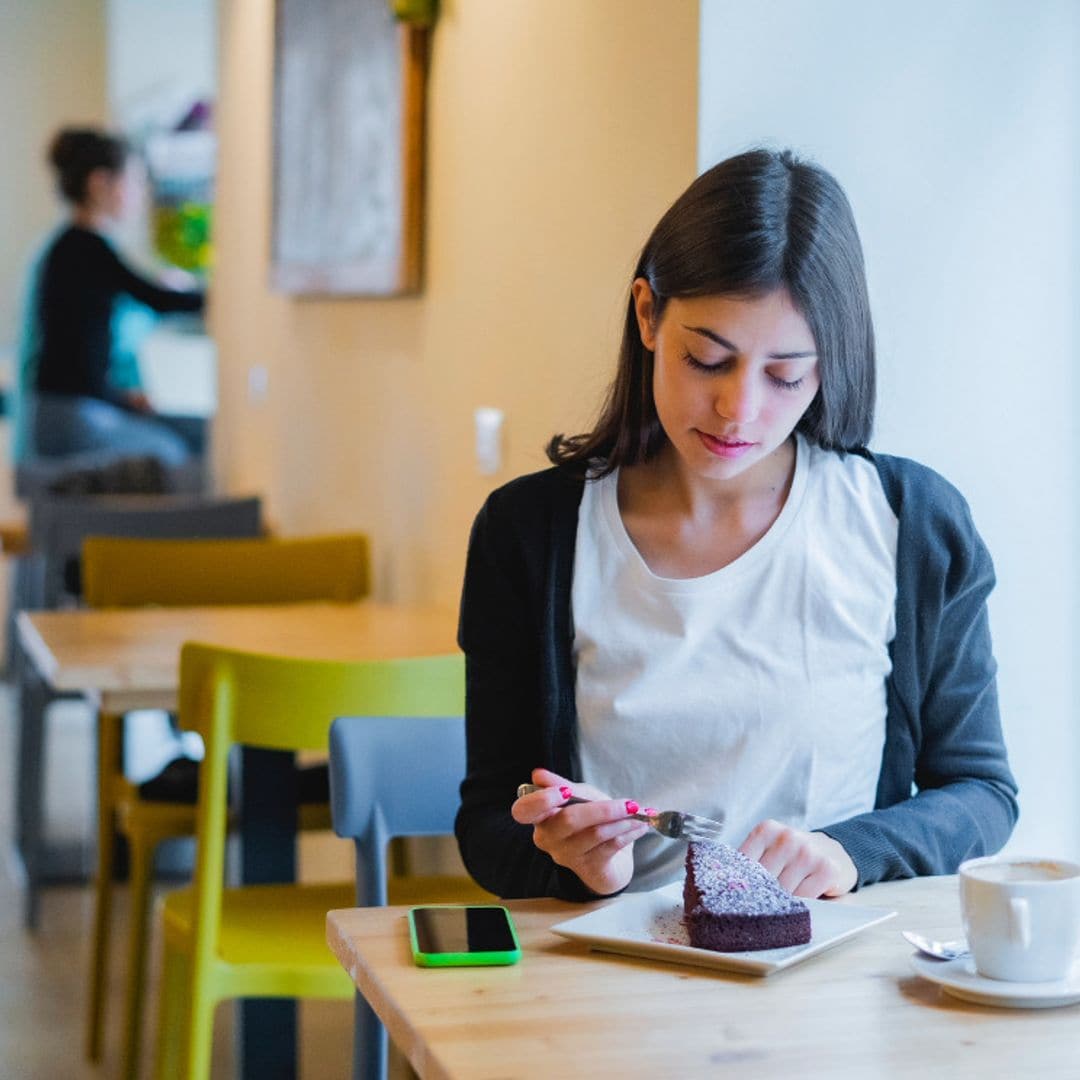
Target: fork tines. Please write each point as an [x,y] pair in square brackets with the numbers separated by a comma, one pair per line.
[692,827]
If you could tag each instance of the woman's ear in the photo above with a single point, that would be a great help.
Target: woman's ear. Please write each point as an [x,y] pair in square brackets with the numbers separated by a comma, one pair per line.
[98,184]
[645,307]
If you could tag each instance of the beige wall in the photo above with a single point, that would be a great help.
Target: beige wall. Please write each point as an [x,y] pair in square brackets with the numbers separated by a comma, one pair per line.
[52,72]
[559,130]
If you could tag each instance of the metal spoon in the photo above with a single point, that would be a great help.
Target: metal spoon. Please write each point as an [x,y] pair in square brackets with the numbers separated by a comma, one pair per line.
[939,950]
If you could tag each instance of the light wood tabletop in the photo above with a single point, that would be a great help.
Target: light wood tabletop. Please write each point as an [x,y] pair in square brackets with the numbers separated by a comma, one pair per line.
[14,537]
[130,657]
[856,1010]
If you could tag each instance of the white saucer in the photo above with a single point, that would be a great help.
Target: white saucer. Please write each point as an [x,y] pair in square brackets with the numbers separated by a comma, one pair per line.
[960,979]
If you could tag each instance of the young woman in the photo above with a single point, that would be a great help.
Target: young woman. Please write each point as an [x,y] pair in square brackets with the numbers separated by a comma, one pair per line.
[720,601]
[71,405]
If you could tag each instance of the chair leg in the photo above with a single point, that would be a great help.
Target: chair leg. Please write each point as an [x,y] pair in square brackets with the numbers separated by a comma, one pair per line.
[29,788]
[108,758]
[16,587]
[198,1034]
[171,1015]
[369,1048]
[99,958]
[142,864]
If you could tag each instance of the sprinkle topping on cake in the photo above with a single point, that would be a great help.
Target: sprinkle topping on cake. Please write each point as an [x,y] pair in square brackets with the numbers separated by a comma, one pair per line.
[733,904]
[729,881]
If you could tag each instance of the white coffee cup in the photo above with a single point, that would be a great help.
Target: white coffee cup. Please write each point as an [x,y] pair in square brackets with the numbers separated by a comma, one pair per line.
[1021,916]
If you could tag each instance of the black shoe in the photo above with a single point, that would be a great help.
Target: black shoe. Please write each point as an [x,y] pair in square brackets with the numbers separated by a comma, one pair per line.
[313,783]
[178,782]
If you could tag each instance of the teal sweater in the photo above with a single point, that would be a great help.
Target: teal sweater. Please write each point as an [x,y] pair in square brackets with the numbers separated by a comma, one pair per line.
[945,792]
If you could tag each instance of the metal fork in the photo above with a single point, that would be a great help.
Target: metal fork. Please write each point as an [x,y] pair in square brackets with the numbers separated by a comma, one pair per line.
[672,823]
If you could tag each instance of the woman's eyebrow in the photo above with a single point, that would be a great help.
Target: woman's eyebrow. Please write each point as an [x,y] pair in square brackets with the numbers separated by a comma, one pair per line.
[704,331]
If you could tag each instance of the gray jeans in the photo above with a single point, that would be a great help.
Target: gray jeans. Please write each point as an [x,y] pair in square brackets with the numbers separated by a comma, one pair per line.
[59,424]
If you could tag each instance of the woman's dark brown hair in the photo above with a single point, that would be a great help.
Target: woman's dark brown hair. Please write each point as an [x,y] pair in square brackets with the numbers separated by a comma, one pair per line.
[758,222]
[77,152]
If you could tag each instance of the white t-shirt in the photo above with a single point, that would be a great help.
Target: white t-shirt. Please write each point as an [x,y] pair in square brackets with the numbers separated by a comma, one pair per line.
[757,690]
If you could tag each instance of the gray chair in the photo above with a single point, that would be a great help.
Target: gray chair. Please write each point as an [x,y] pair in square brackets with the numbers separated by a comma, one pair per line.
[107,471]
[95,472]
[58,526]
[390,776]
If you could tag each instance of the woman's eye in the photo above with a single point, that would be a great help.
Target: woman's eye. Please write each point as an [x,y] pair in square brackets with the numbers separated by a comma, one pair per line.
[787,384]
[723,365]
[697,365]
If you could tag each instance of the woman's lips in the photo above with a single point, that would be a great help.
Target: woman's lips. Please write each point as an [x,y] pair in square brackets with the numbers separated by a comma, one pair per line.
[725,448]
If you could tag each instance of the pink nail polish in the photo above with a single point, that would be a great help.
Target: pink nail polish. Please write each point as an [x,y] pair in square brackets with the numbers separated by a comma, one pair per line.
[650,811]
[565,792]
[632,807]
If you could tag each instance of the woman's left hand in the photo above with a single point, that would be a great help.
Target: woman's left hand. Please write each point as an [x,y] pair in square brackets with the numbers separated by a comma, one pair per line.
[138,402]
[807,864]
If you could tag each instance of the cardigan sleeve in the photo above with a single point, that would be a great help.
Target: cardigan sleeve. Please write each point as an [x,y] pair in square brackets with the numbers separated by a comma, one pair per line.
[944,681]
[499,632]
[124,280]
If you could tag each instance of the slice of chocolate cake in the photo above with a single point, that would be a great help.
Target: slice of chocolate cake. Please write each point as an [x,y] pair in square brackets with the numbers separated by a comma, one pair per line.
[733,904]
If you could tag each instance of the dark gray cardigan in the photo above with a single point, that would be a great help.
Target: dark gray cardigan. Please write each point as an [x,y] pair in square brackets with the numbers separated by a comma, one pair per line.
[945,792]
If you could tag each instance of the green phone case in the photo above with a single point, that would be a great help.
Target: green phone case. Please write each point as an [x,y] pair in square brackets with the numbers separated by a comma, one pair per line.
[464,959]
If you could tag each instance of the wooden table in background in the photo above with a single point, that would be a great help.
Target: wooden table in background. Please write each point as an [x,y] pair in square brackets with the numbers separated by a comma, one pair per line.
[130,658]
[14,538]
[127,659]
[856,1010]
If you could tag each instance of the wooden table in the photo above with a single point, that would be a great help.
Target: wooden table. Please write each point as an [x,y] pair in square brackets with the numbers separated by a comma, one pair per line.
[129,659]
[14,537]
[856,1010]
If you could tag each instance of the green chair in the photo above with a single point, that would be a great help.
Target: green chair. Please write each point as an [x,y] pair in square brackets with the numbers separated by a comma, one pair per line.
[268,940]
[122,572]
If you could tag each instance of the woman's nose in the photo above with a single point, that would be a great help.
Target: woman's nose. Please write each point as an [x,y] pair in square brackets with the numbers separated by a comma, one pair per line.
[739,399]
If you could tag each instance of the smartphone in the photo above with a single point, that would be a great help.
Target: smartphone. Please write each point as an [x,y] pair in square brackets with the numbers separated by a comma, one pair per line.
[463,935]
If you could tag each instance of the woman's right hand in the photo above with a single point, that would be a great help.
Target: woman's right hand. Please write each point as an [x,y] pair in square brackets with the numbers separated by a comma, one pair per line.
[594,839]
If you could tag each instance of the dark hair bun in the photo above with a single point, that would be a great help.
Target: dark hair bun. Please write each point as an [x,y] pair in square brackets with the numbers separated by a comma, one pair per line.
[76,152]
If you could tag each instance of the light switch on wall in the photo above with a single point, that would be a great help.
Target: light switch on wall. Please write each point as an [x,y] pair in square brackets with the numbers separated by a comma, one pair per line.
[258,383]
[489,428]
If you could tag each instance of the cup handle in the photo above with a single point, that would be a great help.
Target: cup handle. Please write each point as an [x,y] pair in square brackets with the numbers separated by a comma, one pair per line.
[1020,921]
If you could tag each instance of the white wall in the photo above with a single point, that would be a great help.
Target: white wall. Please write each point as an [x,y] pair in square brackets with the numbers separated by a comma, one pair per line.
[953,128]
[52,72]
[162,56]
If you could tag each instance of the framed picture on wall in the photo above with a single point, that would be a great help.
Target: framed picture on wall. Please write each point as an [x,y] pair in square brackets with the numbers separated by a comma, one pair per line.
[349,105]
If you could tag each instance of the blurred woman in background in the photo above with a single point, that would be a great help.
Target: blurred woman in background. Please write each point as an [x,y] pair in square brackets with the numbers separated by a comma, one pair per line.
[70,403]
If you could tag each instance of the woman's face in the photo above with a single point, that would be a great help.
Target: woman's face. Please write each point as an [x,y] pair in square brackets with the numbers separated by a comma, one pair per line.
[110,193]
[732,376]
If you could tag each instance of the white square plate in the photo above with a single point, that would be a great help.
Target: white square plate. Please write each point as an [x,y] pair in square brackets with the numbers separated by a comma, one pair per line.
[650,925]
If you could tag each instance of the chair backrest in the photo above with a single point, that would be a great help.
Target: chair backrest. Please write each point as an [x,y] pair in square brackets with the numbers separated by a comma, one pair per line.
[59,525]
[285,703]
[124,572]
[280,703]
[393,776]
[106,472]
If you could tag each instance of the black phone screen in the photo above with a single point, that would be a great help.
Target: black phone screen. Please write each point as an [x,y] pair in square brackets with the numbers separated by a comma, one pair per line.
[463,930]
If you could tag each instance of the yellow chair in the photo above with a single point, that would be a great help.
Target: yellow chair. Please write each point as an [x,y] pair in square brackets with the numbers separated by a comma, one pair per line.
[123,572]
[120,572]
[269,940]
